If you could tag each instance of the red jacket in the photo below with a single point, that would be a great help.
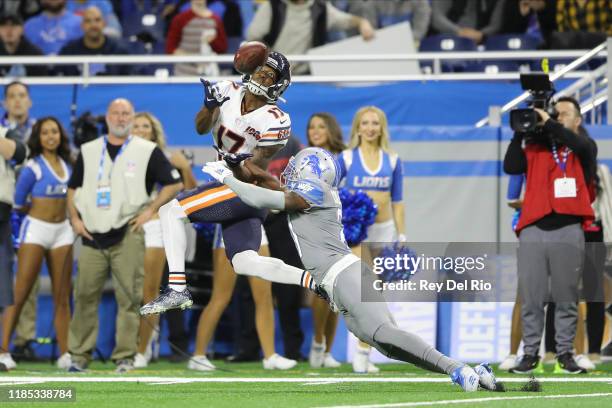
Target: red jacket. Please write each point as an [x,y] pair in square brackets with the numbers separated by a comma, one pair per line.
[540,191]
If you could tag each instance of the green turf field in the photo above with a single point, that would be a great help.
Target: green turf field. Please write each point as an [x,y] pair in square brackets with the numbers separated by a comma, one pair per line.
[247,385]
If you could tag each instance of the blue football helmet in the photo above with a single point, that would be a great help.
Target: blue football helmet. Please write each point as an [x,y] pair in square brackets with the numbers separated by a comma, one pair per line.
[312,163]
[279,63]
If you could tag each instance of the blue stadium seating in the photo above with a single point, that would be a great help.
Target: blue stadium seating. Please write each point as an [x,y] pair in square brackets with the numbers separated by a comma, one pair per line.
[448,43]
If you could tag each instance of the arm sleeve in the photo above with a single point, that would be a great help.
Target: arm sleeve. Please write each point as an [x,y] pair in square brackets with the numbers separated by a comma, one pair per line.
[160,171]
[515,161]
[495,23]
[515,186]
[20,149]
[397,183]
[76,178]
[256,196]
[24,186]
[337,19]
[260,25]
[312,191]
[421,17]
[439,21]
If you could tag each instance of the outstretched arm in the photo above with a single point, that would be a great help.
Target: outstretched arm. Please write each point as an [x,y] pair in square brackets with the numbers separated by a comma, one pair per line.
[264,198]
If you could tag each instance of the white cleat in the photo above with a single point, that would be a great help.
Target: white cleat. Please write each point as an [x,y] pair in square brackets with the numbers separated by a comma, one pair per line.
[487,378]
[276,362]
[466,378]
[140,361]
[316,357]
[509,362]
[7,360]
[330,362]
[361,362]
[200,363]
[64,362]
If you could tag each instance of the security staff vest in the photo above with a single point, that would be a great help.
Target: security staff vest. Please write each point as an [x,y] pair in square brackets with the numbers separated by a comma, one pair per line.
[540,200]
[126,178]
[7,177]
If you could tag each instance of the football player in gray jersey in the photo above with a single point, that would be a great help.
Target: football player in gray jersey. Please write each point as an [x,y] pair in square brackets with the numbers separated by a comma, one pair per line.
[310,196]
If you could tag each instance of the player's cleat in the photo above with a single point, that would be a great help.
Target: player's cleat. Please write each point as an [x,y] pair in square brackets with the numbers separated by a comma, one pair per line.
[330,362]
[487,378]
[124,366]
[3,368]
[200,363]
[140,361]
[526,365]
[7,360]
[168,300]
[509,362]
[276,362]
[466,378]
[584,362]
[64,362]
[361,361]
[567,364]
[316,357]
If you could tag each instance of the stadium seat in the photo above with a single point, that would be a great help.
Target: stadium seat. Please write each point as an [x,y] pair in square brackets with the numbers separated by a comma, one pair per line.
[511,42]
[448,43]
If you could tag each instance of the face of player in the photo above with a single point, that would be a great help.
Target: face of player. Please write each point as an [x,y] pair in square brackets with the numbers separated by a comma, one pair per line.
[142,128]
[369,129]
[17,101]
[266,76]
[10,33]
[318,133]
[50,136]
[119,118]
[568,116]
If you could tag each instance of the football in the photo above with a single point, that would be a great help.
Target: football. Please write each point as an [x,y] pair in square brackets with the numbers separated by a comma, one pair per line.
[250,56]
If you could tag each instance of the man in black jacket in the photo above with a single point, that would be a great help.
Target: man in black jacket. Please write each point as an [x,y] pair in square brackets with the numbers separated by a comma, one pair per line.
[94,42]
[13,43]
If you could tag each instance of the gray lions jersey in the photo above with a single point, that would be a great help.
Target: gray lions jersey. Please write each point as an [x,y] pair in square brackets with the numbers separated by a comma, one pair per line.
[318,232]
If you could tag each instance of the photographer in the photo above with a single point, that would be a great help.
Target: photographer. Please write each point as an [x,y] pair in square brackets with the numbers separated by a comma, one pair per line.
[559,169]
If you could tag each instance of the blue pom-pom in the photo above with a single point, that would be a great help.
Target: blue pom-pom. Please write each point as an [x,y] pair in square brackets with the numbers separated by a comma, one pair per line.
[205,230]
[16,221]
[404,252]
[358,213]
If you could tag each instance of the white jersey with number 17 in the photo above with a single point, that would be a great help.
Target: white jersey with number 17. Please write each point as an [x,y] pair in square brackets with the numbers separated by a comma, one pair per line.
[238,133]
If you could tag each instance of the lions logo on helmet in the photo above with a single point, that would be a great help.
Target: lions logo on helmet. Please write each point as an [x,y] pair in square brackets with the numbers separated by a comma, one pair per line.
[312,163]
[279,63]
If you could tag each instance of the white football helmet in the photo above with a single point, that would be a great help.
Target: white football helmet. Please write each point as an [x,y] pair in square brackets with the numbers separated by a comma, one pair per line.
[312,163]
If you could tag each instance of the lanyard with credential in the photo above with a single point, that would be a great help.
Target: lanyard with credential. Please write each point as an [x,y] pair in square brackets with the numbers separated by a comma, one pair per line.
[563,162]
[102,158]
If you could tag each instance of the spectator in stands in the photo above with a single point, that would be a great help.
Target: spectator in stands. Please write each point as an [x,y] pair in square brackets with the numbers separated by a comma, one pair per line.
[532,17]
[94,42]
[382,13]
[112,27]
[22,8]
[147,21]
[582,23]
[45,231]
[15,44]
[323,131]
[288,297]
[53,28]
[369,161]
[197,31]
[295,26]
[12,153]
[149,128]
[108,202]
[559,168]
[17,104]
[473,19]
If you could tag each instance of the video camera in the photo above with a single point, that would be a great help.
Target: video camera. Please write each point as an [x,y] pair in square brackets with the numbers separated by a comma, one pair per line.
[87,128]
[541,89]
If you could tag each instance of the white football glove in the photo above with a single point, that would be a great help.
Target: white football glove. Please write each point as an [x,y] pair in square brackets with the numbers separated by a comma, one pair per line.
[217,170]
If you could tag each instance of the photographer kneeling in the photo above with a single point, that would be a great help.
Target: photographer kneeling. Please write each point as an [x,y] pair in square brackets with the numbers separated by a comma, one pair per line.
[558,164]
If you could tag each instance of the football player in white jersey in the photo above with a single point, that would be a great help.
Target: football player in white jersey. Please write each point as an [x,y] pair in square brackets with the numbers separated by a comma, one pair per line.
[245,121]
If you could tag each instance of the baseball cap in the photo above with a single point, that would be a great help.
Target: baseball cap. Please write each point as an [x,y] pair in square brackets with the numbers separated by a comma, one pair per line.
[13,19]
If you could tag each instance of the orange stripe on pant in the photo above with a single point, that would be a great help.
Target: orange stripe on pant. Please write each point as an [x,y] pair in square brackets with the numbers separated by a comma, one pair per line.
[210,203]
[202,195]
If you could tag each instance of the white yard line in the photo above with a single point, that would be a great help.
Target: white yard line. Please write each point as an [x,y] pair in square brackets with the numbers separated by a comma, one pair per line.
[473,400]
[10,380]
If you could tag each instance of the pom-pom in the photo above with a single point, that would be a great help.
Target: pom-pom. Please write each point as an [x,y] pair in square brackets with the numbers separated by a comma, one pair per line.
[205,230]
[358,213]
[404,270]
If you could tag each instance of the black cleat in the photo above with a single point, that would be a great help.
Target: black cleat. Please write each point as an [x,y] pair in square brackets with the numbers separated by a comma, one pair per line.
[567,364]
[527,364]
